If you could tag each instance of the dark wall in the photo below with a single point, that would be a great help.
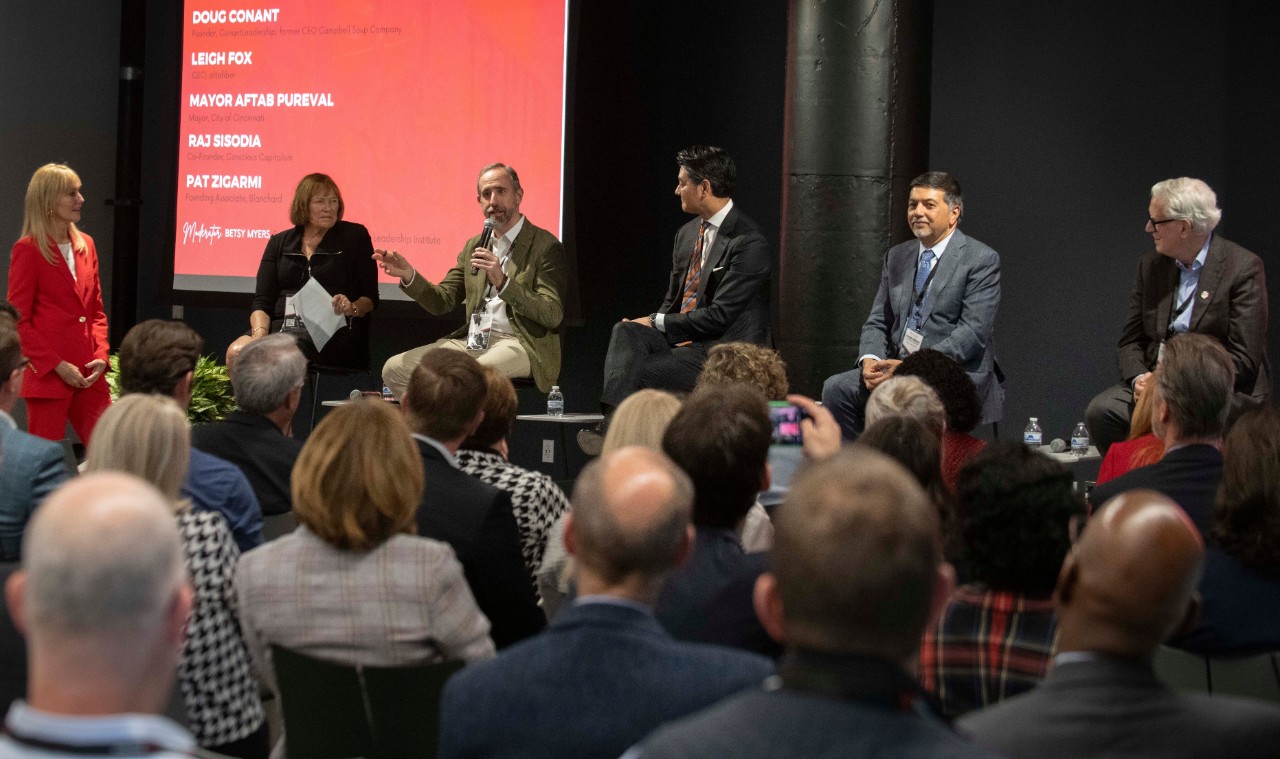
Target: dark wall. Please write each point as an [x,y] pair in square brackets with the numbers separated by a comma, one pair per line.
[1057,122]
[58,84]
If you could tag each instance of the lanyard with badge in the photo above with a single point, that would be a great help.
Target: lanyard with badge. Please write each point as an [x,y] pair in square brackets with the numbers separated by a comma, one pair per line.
[1169,331]
[480,329]
[912,339]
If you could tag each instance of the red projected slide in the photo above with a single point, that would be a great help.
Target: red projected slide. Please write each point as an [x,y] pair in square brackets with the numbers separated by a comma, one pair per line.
[401,102]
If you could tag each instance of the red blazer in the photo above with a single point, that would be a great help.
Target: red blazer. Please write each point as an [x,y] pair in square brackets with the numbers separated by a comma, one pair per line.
[62,317]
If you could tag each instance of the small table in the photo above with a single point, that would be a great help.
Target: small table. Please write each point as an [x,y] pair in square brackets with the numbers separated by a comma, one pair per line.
[565,421]
[1067,457]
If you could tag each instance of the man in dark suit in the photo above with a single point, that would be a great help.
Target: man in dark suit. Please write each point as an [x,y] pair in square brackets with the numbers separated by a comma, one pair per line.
[258,436]
[605,673]
[1194,281]
[443,405]
[513,291]
[30,467]
[720,438]
[1125,586]
[939,291]
[1192,389]
[857,572]
[718,291]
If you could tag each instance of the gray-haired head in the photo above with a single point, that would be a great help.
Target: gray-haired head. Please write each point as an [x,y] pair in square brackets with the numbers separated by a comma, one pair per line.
[266,371]
[1194,379]
[515,178]
[1190,199]
[102,560]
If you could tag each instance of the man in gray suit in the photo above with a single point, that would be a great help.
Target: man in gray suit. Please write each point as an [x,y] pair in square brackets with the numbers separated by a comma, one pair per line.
[30,467]
[857,573]
[939,291]
[604,673]
[1126,586]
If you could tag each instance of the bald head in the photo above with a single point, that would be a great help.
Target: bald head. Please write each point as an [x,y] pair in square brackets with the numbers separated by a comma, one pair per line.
[102,554]
[1127,585]
[630,517]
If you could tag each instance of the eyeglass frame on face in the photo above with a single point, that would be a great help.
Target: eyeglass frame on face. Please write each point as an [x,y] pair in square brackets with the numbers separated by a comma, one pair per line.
[1155,224]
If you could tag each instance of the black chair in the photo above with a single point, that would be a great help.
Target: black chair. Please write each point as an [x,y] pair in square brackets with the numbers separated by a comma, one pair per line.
[335,711]
[278,525]
[1256,676]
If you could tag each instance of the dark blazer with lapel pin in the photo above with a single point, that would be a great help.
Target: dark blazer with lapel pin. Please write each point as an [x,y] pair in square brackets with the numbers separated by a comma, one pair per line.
[959,311]
[476,520]
[1230,305]
[733,296]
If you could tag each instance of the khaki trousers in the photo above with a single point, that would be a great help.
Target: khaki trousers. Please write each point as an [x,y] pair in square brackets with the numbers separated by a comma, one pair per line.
[505,353]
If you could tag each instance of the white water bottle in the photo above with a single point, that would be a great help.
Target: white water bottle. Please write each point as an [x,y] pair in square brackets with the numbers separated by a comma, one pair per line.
[1032,435]
[555,402]
[1080,440]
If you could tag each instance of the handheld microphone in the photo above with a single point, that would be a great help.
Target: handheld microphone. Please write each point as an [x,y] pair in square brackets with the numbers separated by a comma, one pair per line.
[1059,445]
[486,237]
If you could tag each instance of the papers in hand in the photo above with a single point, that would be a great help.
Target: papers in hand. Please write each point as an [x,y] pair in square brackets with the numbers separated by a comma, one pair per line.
[314,305]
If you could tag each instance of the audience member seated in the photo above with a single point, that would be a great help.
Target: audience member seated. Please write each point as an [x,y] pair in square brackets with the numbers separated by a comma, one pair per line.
[959,398]
[148,436]
[605,673]
[1192,388]
[907,396]
[103,600]
[443,405]
[1141,448]
[354,584]
[258,436]
[30,467]
[856,574]
[994,638]
[916,445]
[158,356]
[1240,589]
[641,420]
[1126,585]
[721,440]
[536,499]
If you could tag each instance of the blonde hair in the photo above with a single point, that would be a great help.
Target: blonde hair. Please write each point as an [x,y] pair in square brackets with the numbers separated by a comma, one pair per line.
[147,436]
[641,420]
[47,184]
[359,477]
[906,396]
[748,363]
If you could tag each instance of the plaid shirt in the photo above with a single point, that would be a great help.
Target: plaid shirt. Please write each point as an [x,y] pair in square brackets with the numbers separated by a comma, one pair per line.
[986,646]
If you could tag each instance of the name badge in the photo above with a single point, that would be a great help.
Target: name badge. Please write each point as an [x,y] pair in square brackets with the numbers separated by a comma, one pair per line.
[479,330]
[911,342]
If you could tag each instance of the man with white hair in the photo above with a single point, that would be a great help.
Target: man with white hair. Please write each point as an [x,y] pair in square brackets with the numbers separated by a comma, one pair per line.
[258,436]
[1194,281]
[103,599]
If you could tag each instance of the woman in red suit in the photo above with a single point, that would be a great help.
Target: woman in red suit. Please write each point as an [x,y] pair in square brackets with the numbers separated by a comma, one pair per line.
[53,282]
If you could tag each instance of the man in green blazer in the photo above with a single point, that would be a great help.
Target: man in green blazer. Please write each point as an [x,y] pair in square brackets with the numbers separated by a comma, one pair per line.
[511,286]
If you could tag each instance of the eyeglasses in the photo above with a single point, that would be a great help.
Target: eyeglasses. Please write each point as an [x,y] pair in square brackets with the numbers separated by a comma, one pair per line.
[1155,223]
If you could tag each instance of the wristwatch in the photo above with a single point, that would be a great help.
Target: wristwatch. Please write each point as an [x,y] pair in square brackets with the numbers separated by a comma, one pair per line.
[653,320]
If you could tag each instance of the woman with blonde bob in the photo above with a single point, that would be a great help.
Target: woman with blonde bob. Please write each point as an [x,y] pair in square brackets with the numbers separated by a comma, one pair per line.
[53,283]
[353,584]
[148,436]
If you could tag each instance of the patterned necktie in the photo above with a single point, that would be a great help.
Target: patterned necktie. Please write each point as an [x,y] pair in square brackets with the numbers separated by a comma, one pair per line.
[694,277]
[917,292]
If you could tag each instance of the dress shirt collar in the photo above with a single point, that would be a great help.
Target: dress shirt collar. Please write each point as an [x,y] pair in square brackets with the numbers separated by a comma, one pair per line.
[717,221]
[116,730]
[938,249]
[508,239]
[449,457]
[1198,263]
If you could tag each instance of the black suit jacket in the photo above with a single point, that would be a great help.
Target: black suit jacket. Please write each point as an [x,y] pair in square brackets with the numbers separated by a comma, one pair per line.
[1117,708]
[256,446]
[733,294]
[1189,475]
[1230,305]
[476,520]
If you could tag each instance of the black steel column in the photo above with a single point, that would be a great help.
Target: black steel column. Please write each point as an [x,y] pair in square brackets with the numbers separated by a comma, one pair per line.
[857,132]
[128,191]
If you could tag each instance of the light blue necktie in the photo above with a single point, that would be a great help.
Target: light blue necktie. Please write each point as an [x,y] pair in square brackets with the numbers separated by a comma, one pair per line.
[917,292]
